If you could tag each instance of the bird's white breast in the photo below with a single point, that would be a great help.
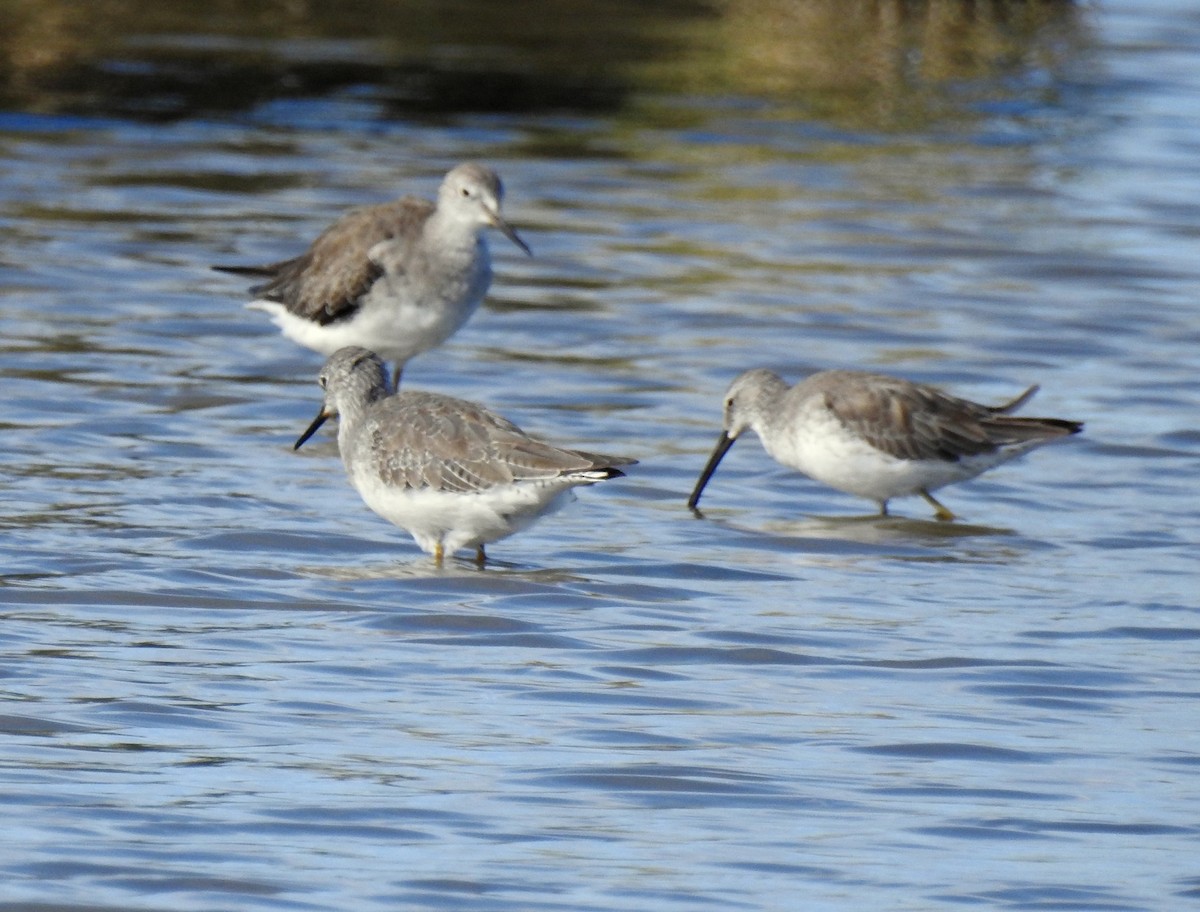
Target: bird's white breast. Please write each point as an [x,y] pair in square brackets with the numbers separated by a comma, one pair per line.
[455,519]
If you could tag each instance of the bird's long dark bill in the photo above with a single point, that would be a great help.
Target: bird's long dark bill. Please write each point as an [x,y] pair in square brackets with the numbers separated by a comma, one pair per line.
[724,442]
[511,233]
[321,418]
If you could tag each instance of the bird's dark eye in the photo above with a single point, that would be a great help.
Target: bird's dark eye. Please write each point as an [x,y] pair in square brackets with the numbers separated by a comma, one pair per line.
[466,191]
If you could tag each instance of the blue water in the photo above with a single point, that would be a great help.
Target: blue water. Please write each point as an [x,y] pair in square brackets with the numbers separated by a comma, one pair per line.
[228,685]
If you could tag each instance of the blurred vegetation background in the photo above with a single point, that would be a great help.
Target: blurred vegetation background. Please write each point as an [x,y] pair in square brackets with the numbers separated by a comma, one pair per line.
[889,64]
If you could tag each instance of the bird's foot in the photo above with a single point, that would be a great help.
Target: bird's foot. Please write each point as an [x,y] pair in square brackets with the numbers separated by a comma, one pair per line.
[939,510]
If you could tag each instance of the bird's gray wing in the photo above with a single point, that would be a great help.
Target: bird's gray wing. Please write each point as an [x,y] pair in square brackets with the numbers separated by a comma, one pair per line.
[427,440]
[913,421]
[325,282]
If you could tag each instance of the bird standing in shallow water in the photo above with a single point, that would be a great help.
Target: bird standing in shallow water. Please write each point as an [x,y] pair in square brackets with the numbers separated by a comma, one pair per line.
[875,436]
[398,278]
[452,473]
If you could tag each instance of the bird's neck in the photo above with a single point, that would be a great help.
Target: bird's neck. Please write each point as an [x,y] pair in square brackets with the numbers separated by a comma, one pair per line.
[767,406]
[353,409]
[449,231]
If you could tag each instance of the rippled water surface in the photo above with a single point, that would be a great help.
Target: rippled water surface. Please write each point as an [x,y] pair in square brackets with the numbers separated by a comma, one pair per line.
[228,685]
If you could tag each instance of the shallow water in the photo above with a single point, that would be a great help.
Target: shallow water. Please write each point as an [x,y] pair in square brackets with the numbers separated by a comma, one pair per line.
[229,685]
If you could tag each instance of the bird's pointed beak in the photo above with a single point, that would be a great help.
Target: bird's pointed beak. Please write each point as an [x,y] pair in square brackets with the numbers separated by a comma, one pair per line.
[322,417]
[498,221]
[724,442]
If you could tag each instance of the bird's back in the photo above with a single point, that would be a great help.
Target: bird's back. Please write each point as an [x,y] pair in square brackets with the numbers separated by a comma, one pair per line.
[325,282]
[917,422]
[427,440]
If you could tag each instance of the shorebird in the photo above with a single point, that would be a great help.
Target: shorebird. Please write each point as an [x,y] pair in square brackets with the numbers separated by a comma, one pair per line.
[875,436]
[398,278]
[452,473]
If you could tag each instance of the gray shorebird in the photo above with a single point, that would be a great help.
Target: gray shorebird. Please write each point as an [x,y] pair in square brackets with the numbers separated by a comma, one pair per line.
[398,278]
[452,473]
[875,436]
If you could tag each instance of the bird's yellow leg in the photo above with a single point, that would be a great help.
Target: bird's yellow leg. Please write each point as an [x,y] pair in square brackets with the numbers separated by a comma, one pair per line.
[480,556]
[439,554]
[939,510]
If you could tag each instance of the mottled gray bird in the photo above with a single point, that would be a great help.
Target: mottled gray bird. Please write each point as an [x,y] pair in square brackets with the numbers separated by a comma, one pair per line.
[452,473]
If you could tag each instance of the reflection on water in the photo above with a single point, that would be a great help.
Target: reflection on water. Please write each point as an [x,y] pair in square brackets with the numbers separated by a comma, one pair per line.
[856,541]
[228,684]
[883,529]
